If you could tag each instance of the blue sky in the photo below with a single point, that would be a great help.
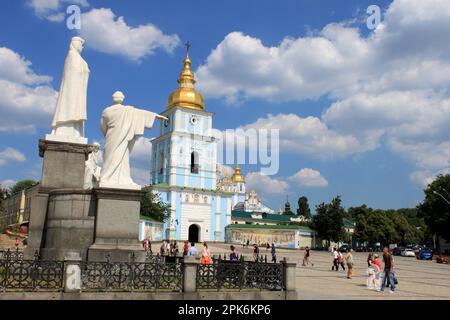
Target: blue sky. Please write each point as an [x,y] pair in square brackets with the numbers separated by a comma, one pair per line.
[362,113]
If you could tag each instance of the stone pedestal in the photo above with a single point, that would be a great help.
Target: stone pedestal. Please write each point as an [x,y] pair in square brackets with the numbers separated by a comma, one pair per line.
[64,164]
[63,167]
[116,225]
[70,223]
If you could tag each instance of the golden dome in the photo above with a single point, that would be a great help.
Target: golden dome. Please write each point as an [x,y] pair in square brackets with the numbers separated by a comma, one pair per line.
[186,95]
[237,176]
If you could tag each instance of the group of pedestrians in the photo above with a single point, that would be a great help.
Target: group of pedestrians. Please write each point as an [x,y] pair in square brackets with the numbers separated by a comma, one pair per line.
[340,260]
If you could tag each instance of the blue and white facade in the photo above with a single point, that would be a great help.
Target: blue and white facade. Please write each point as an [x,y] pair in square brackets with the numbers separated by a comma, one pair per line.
[183,172]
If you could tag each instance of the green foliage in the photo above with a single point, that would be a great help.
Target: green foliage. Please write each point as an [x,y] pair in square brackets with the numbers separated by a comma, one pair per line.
[23,184]
[152,206]
[4,193]
[328,220]
[303,207]
[434,209]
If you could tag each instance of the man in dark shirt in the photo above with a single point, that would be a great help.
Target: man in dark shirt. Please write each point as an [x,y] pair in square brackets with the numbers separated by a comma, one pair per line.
[388,271]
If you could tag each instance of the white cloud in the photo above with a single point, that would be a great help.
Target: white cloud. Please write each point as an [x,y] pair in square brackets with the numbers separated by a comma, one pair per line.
[11,154]
[307,177]
[7,183]
[390,88]
[28,99]
[105,32]
[265,185]
[142,150]
[53,10]
[140,176]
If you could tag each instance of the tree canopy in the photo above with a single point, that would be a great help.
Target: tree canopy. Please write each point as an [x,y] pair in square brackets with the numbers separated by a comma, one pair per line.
[328,220]
[434,209]
[23,184]
[152,206]
[303,207]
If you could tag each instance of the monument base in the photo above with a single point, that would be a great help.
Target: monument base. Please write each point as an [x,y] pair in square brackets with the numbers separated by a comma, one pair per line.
[117,225]
[68,139]
[70,223]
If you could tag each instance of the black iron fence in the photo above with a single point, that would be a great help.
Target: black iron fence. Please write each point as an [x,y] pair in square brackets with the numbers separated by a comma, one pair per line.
[30,275]
[157,275]
[222,274]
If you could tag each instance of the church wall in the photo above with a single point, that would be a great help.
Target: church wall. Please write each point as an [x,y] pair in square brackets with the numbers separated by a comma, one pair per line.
[178,214]
[213,218]
[223,219]
[196,213]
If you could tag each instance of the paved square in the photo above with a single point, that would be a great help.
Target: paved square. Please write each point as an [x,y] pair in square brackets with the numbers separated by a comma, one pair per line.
[417,279]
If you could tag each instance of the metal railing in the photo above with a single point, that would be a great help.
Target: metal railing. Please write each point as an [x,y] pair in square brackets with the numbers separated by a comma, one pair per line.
[30,275]
[240,275]
[131,276]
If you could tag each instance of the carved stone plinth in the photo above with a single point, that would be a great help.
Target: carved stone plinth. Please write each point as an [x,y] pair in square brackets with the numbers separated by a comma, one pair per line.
[116,225]
[64,164]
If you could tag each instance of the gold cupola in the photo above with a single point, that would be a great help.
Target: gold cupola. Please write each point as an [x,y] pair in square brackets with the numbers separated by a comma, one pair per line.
[237,176]
[186,95]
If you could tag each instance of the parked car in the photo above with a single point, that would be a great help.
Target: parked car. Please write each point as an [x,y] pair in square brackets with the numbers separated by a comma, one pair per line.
[408,253]
[345,248]
[425,255]
[397,251]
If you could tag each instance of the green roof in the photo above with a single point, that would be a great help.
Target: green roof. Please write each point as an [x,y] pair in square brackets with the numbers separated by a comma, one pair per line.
[348,224]
[259,226]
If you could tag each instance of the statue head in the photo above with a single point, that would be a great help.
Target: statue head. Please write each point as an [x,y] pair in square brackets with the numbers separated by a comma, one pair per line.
[118,97]
[77,43]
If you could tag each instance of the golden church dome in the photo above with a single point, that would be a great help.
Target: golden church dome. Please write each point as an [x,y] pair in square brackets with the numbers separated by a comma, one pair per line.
[237,176]
[186,95]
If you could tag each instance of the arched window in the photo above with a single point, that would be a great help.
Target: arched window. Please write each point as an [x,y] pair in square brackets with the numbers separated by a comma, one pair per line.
[161,162]
[194,162]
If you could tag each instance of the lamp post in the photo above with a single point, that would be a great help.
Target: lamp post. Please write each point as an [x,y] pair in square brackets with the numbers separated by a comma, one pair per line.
[440,195]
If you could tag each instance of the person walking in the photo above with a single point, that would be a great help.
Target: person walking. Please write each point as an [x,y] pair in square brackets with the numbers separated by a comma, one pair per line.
[349,260]
[206,254]
[255,252]
[373,281]
[388,272]
[341,260]
[306,257]
[162,248]
[185,248]
[274,253]
[233,254]
[369,260]
[192,250]
[335,260]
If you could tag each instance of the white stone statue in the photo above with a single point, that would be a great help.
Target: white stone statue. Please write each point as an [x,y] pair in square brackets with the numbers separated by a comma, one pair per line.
[121,125]
[70,113]
[92,168]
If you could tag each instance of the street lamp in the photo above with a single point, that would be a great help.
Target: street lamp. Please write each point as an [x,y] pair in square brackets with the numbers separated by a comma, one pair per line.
[440,195]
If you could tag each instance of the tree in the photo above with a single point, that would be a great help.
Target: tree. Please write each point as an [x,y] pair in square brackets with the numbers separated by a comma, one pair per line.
[152,206]
[328,220]
[434,209]
[303,208]
[4,193]
[23,184]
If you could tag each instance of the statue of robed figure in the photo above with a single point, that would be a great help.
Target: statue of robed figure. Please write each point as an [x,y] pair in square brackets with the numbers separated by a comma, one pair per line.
[70,113]
[121,125]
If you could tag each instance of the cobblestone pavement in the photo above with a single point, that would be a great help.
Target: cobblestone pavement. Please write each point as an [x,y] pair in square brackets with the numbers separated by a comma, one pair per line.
[417,279]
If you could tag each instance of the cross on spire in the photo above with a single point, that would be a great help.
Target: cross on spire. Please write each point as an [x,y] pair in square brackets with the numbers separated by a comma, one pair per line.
[188,46]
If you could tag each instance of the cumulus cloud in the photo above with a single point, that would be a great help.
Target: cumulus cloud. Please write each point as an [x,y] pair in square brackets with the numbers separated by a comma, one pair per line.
[390,88]
[265,185]
[308,177]
[11,154]
[7,183]
[28,99]
[53,10]
[105,32]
